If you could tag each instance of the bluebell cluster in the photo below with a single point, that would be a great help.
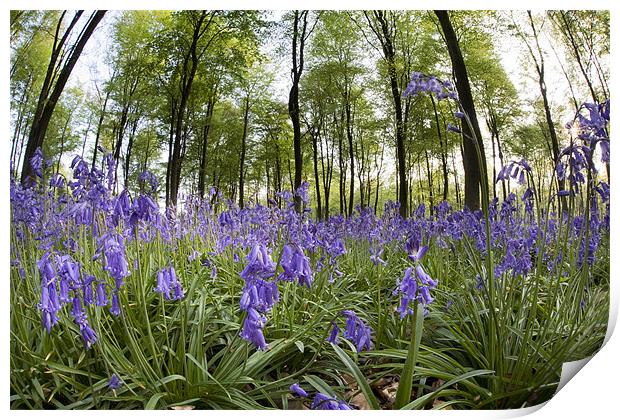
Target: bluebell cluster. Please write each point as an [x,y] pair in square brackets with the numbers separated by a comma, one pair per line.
[355,330]
[321,401]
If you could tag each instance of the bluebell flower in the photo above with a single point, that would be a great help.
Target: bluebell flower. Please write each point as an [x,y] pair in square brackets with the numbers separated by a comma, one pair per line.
[355,330]
[49,306]
[253,329]
[143,209]
[375,256]
[325,402]
[333,335]
[102,297]
[453,128]
[115,309]
[115,262]
[302,192]
[163,284]
[88,334]
[259,264]
[260,295]
[87,289]
[336,248]
[421,83]
[414,287]
[298,390]
[115,382]
[414,250]
[167,282]
[36,162]
[408,288]
[122,205]
[57,181]
[295,265]
[149,178]
[79,317]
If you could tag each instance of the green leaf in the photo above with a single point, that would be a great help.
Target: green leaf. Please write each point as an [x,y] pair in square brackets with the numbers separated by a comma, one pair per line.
[67,369]
[170,378]
[359,377]
[319,385]
[420,402]
[152,404]
[403,394]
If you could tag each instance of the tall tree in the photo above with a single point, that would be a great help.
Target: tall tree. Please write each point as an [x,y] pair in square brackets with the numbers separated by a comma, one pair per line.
[302,29]
[537,57]
[474,163]
[61,64]
[383,25]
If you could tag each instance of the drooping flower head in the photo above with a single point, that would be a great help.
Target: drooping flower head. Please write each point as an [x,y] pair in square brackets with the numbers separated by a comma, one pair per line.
[253,329]
[414,250]
[296,265]
[36,162]
[355,330]
[168,282]
[414,288]
[298,390]
[325,402]
[115,382]
[259,264]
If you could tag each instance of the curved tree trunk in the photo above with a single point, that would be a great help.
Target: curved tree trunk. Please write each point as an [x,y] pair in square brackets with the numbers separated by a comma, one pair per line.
[474,168]
[50,94]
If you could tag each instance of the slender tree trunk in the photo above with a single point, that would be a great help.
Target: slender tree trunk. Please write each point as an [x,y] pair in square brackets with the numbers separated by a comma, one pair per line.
[188,72]
[62,142]
[351,156]
[456,180]
[132,136]
[300,35]
[47,101]
[474,166]
[317,183]
[385,32]
[246,114]
[444,163]
[430,182]
[379,180]
[99,126]
[540,69]
[170,141]
[202,171]
[278,177]
[569,34]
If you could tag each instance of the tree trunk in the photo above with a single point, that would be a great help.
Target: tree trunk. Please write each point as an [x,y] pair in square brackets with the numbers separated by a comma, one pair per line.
[385,32]
[170,141]
[444,159]
[474,166]
[317,183]
[62,141]
[351,157]
[246,114]
[188,73]
[132,136]
[540,69]
[300,34]
[202,171]
[47,101]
